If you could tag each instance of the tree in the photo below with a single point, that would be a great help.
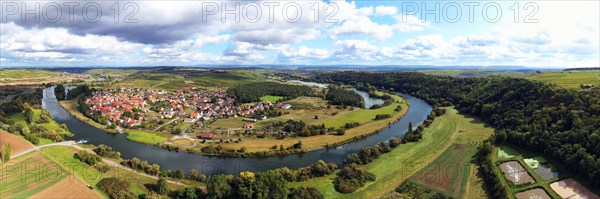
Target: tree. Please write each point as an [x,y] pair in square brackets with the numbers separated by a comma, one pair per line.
[116,188]
[176,130]
[161,186]
[6,150]
[188,193]
[218,187]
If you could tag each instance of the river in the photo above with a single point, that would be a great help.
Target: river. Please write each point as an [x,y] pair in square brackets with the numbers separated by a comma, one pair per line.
[214,165]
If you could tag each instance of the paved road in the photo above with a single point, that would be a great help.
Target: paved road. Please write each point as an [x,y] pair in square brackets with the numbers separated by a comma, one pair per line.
[37,148]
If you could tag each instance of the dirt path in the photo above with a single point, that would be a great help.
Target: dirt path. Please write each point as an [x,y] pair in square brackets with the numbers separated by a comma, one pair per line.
[37,148]
[156,129]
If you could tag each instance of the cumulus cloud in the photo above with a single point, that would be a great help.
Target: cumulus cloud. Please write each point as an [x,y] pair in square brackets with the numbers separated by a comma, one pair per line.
[385,10]
[362,25]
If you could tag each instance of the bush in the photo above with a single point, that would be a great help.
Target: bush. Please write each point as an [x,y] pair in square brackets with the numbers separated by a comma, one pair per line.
[304,193]
[116,188]
[352,177]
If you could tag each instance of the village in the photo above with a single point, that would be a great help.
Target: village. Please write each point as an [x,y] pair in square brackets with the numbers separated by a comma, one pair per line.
[142,108]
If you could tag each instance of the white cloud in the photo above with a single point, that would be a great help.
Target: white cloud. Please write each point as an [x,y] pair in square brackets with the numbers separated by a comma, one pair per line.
[304,52]
[385,11]
[361,25]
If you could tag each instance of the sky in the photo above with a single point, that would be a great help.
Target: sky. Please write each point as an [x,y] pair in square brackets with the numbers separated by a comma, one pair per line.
[306,32]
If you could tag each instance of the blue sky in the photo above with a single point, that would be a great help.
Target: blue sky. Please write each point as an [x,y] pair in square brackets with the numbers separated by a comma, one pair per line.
[151,33]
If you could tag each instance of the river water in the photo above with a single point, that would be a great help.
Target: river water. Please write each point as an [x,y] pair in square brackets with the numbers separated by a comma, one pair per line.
[214,165]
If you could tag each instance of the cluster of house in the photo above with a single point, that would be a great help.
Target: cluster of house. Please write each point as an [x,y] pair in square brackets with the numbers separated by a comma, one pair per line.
[119,106]
[205,105]
[76,75]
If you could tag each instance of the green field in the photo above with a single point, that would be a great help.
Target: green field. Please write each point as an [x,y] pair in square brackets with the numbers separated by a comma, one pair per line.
[393,168]
[363,115]
[91,176]
[449,172]
[270,98]
[15,183]
[145,137]
[27,73]
[505,152]
[468,72]
[566,79]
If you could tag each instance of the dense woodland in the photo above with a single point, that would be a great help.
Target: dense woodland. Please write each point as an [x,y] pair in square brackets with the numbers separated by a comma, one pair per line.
[562,123]
[252,92]
[341,96]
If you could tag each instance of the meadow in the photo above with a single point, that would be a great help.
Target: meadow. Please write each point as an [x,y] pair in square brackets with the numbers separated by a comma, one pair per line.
[146,137]
[566,79]
[394,168]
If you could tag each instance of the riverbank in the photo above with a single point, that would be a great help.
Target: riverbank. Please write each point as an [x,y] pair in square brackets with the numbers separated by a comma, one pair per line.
[263,147]
[71,107]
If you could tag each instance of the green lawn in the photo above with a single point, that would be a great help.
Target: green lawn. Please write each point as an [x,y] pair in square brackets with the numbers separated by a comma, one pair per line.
[64,156]
[145,137]
[270,98]
[395,167]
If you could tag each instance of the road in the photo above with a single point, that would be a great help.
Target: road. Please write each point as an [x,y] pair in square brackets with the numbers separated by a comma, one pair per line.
[597,75]
[105,160]
[8,98]
[165,124]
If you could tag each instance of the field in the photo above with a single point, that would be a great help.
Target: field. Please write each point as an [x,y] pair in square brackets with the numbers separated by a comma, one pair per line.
[270,98]
[18,144]
[468,72]
[145,137]
[364,115]
[89,175]
[172,79]
[306,115]
[514,172]
[67,188]
[569,188]
[393,168]
[449,172]
[505,152]
[29,76]
[41,173]
[566,79]
[532,193]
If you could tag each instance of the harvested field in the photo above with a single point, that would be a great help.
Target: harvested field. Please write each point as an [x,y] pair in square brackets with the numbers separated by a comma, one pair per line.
[28,174]
[67,188]
[569,188]
[514,172]
[18,144]
[532,194]
[448,172]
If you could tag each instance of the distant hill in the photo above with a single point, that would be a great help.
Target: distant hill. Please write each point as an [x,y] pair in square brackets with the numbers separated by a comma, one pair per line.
[592,68]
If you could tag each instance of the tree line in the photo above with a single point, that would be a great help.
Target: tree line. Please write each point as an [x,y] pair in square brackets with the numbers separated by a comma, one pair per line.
[254,91]
[561,123]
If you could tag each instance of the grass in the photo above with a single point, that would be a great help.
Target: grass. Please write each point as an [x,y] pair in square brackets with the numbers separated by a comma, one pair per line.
[449,172]
[364,115]
[27,73]
[393,168]
[566,79]
[18,184]
[64,156]
[145,137]
[534,162]
[270,98]
[505,152]
[228,123]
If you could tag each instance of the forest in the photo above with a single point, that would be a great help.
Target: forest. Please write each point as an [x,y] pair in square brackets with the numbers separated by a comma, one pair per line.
[561,123]
[252,92]
[341,96]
